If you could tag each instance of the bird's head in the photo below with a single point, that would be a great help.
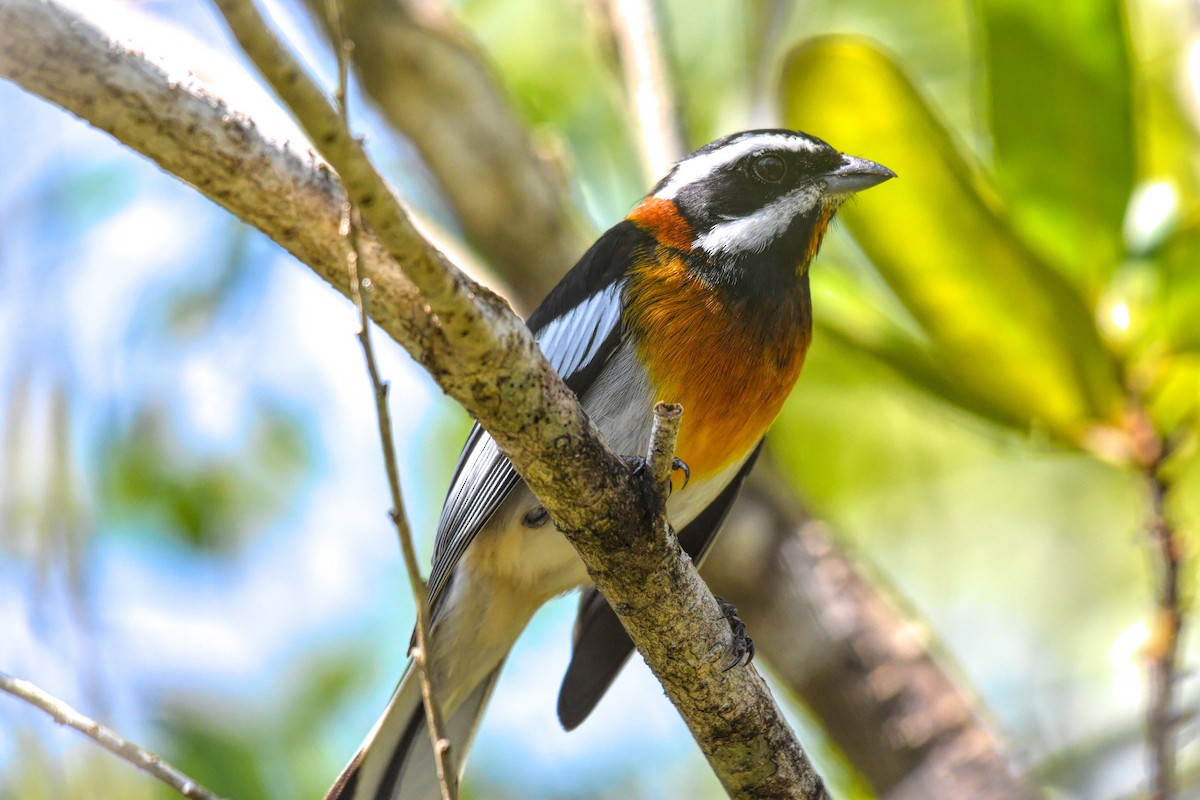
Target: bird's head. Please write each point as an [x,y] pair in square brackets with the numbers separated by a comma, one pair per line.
[754,202]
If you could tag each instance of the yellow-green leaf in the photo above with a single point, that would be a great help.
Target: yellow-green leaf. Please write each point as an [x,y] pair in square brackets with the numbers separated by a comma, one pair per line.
[1009,330]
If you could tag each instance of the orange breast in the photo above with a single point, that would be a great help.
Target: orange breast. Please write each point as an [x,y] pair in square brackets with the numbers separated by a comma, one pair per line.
[730,362]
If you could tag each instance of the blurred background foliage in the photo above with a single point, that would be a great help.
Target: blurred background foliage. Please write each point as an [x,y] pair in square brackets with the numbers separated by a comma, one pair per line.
[195,540]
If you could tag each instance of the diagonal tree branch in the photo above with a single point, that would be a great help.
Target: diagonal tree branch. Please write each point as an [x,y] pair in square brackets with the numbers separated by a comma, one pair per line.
[1162,651]
[474,347]
[777,566]
[818,621]
[106,737]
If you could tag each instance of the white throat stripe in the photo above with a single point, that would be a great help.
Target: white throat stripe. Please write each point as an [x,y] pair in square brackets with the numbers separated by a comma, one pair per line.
[692,169]
[755,233]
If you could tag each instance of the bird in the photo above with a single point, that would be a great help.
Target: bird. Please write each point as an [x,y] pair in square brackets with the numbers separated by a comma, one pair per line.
[699,296]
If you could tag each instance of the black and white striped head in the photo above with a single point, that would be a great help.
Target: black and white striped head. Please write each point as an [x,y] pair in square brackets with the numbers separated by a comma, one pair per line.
[763,193]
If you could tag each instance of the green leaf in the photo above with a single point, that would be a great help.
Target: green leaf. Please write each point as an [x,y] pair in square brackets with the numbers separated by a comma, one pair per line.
[1010,333]
[210,501]
[228,760]
[1062,127]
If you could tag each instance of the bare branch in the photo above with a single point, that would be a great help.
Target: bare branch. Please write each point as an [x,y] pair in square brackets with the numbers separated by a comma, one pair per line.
[1162,720]
[106,737]
[477,351]
[447,777]
[290,196]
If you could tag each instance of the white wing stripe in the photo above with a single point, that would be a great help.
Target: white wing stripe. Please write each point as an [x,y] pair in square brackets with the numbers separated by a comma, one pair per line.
[485,477]
[571,341]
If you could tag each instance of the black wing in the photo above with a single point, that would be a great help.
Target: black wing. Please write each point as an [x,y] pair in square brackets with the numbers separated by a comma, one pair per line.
[601,644]
[578,326]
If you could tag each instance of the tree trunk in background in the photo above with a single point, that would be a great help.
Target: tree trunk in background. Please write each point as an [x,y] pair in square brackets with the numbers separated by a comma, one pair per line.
[864,670]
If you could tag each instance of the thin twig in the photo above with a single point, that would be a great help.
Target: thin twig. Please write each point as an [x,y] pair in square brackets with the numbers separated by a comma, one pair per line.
[636,31]
[360,286]
[107,738]
[1161,719]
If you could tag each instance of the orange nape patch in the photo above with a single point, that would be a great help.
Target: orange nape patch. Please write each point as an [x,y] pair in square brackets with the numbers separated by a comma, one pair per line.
[730,362]
[662,220]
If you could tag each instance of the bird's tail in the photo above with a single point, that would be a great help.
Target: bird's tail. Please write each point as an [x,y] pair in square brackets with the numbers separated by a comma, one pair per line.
[396,762]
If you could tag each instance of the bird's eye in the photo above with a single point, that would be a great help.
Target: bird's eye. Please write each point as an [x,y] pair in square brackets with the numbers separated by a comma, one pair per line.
[769,168]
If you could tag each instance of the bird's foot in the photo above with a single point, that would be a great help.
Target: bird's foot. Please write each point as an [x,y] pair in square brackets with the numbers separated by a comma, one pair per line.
[637,465]
[743,646]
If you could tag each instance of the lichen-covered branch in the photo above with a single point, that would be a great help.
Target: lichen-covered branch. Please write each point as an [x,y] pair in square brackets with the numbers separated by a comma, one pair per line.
[806,627]
[475,348]
[188,132]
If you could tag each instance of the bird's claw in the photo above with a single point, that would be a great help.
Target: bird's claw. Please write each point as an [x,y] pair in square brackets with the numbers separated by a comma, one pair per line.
[742,646]
[678,464]
[637,465]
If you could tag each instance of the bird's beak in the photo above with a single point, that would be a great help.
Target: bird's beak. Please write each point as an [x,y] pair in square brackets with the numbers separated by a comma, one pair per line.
[854,175]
